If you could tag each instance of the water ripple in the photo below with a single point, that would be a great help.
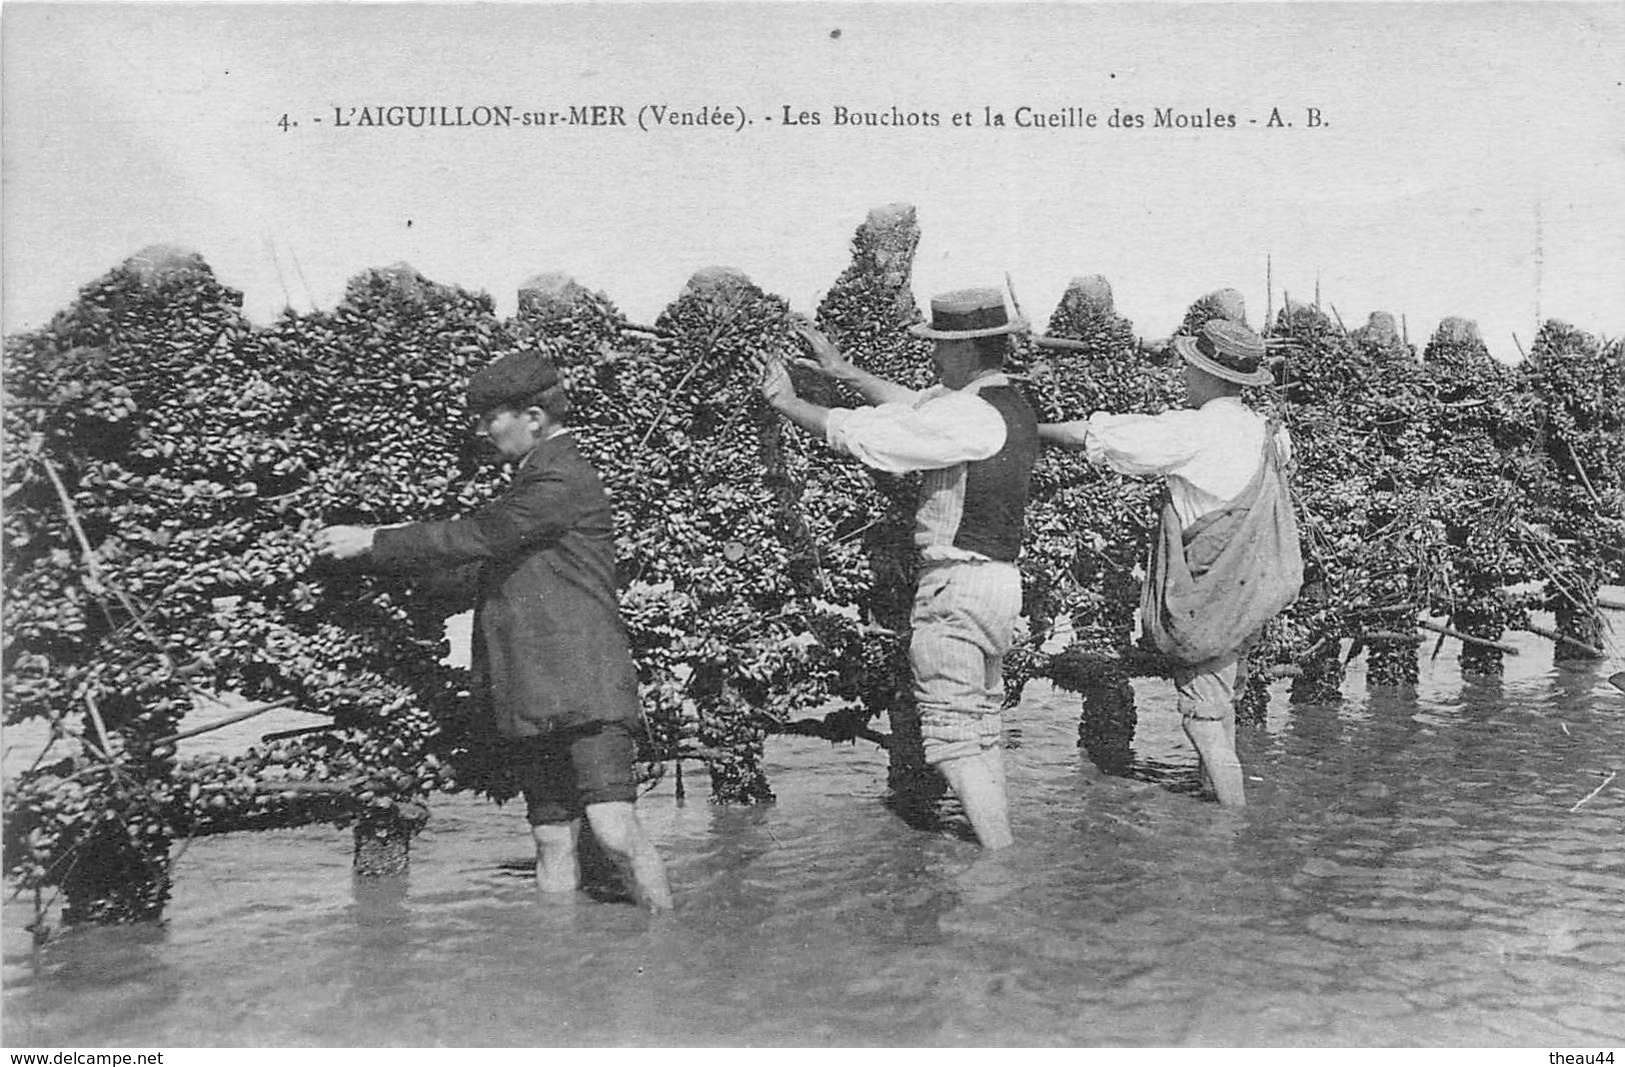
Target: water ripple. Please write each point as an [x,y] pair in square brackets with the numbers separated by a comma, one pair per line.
[1410,871]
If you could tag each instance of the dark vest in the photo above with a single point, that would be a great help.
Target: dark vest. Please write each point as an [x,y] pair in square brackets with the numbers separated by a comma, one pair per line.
[996,487]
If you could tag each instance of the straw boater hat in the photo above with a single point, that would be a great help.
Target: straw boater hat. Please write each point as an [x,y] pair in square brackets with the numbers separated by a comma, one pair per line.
[1226,350]
[967,313]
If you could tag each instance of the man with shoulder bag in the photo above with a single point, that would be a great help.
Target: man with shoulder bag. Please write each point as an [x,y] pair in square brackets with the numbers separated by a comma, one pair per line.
[1226,559]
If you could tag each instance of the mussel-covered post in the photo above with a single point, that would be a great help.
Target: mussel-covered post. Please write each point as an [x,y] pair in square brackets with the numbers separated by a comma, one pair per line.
[1329,485]
[1400,539]
[127,455]
[719,538]
[1577,387]
[619,380]
[1480,452]
[869,515]
[1227,304]
[1088,529]
[383,846]
[390,442]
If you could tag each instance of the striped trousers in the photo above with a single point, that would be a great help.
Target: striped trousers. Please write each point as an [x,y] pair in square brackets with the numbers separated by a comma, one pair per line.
[963,622]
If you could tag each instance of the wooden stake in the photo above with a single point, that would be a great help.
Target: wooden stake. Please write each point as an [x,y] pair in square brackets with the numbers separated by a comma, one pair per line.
[106,745]
[1061,342]
[1445,631]
[337,785]
[1390,635]
[1581,471]
[1438,645]
[1010,287]
[1315,648]
[1269,294]
[1562,639]
[94,565]
[303,731]
[665,406]
[38,927]
[287,299]
[258,709]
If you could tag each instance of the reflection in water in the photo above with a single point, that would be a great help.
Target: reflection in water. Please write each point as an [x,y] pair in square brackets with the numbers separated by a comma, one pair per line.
[1411,869]
[123,971]
[377,937]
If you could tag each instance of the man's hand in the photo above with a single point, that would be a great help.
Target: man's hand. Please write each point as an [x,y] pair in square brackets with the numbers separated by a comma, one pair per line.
[776,384]
[343,542]
[827,360]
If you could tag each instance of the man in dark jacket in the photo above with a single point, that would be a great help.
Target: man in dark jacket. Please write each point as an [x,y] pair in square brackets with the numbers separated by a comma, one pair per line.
[550,649]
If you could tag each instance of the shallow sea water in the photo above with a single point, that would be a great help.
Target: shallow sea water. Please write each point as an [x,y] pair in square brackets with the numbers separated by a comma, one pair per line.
[1411,870]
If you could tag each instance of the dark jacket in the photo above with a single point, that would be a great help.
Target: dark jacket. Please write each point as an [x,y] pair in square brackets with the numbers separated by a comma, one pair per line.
[550,648]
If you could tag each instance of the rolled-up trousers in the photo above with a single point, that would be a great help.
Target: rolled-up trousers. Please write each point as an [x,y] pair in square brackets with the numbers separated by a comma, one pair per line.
[964,620]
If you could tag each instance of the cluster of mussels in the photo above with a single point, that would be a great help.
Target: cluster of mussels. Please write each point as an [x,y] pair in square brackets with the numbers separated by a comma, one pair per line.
[166,462]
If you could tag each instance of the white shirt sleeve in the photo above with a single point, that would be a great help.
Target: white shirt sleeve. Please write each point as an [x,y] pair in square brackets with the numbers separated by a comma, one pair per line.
[1143,444]
[943,429]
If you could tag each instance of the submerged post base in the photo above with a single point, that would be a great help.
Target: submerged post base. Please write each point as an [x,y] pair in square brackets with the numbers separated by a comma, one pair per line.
[918,793]
[383,844]
[121,876]
[1106,725]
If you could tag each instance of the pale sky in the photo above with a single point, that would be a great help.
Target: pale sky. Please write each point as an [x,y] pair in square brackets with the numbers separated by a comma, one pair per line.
[1472,162]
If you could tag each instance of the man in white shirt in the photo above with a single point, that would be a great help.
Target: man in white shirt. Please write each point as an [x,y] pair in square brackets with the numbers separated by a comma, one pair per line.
[1211,453]
[976,438]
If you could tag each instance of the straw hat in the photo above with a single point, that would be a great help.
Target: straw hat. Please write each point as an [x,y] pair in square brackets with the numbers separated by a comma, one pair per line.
[1226,350]
[967,313]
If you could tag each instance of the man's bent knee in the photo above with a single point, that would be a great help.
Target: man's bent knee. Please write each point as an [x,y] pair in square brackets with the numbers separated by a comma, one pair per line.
[947,734]
[554,836]
[1205,712]
[1207,696]
[614,823]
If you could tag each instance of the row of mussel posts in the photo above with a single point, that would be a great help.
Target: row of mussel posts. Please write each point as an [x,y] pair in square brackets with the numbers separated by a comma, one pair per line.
[166,461]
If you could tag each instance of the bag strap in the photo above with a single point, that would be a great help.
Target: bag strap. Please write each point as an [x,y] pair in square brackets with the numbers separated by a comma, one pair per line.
[1273,425]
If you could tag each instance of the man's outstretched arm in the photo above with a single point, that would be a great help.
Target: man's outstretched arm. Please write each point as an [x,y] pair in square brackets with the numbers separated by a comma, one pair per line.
[780,392]
[1066,434]
[806,414]
[896,438]
[828,361]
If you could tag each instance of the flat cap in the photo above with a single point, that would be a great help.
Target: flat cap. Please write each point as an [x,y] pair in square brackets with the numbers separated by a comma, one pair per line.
[515,377]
